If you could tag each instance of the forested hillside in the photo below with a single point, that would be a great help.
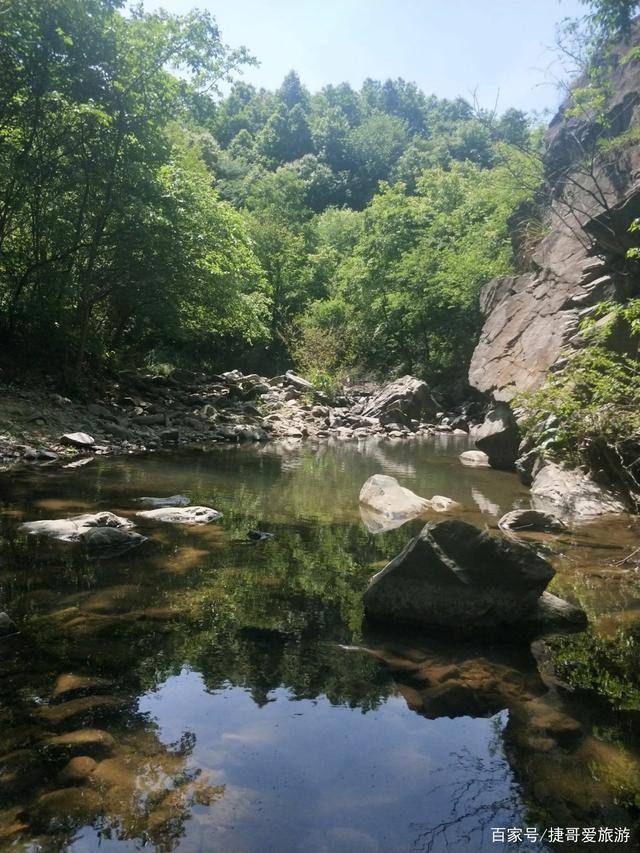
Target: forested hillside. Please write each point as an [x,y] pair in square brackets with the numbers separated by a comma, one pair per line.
[148,218]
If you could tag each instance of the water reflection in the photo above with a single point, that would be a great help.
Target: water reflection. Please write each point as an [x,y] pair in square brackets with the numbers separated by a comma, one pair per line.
[211,693]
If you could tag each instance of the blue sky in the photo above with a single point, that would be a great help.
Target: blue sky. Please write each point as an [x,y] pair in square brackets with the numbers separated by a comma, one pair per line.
[448,47]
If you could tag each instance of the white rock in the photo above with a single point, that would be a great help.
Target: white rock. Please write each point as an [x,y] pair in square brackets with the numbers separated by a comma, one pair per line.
[182,515]
[70,529]
[78,439]
[474,459]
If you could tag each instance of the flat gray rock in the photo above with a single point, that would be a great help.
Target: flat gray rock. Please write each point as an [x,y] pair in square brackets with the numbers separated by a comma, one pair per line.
[70,529]
[174,501]
[532,520]
[181,515]
[78,439]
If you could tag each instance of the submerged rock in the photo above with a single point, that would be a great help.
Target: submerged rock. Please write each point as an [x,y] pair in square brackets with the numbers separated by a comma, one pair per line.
[182,515]
[572,494]
[259,535]
[70,529]
[532,520]
[453,574]
[174,500]
[93,742]
[105,542]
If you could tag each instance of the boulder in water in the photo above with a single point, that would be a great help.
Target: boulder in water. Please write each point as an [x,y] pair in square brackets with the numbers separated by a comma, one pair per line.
[571,494]
[474,459]
[181,515]
[454,575]
[385,504]
[70,529]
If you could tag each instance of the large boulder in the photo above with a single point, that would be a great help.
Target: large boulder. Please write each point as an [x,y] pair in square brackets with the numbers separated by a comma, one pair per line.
[571,494]
[498,436]
[70,529]
[410,396]
[453,574]
[474,459]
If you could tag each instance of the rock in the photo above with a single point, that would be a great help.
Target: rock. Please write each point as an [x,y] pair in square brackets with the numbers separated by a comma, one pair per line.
[441,504]
[298,382]
[69,684]
[391,503]
[94,742]
[107,542]
[7,626]
[65,810]
[456,576]
[528,464]
[77,439]
[498,436]
[571,494]
[78,710]
[259,535]
[174,500]
[410,395]
[77,770]
[70,529]
[182,515]
[474,459]
[555,614]
[169,436]
[531,520]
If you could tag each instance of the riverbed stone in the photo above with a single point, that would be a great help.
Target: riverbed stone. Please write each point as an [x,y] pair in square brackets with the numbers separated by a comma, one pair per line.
[552,614]
[77,770]
[182,515]
[65,810]
[85,741]
[455,575]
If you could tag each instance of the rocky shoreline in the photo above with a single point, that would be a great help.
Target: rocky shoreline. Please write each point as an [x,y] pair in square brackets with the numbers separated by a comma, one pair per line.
[144,412]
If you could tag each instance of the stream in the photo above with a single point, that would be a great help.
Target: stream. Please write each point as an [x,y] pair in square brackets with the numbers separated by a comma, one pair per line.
[211,693]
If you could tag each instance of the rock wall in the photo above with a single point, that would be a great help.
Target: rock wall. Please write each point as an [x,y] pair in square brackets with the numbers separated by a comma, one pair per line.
[532,320]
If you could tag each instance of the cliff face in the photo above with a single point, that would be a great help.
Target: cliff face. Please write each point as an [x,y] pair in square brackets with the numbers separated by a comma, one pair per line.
[532,320]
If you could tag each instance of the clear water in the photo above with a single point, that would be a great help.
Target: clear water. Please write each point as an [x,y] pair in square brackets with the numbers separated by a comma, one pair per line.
[247,706]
